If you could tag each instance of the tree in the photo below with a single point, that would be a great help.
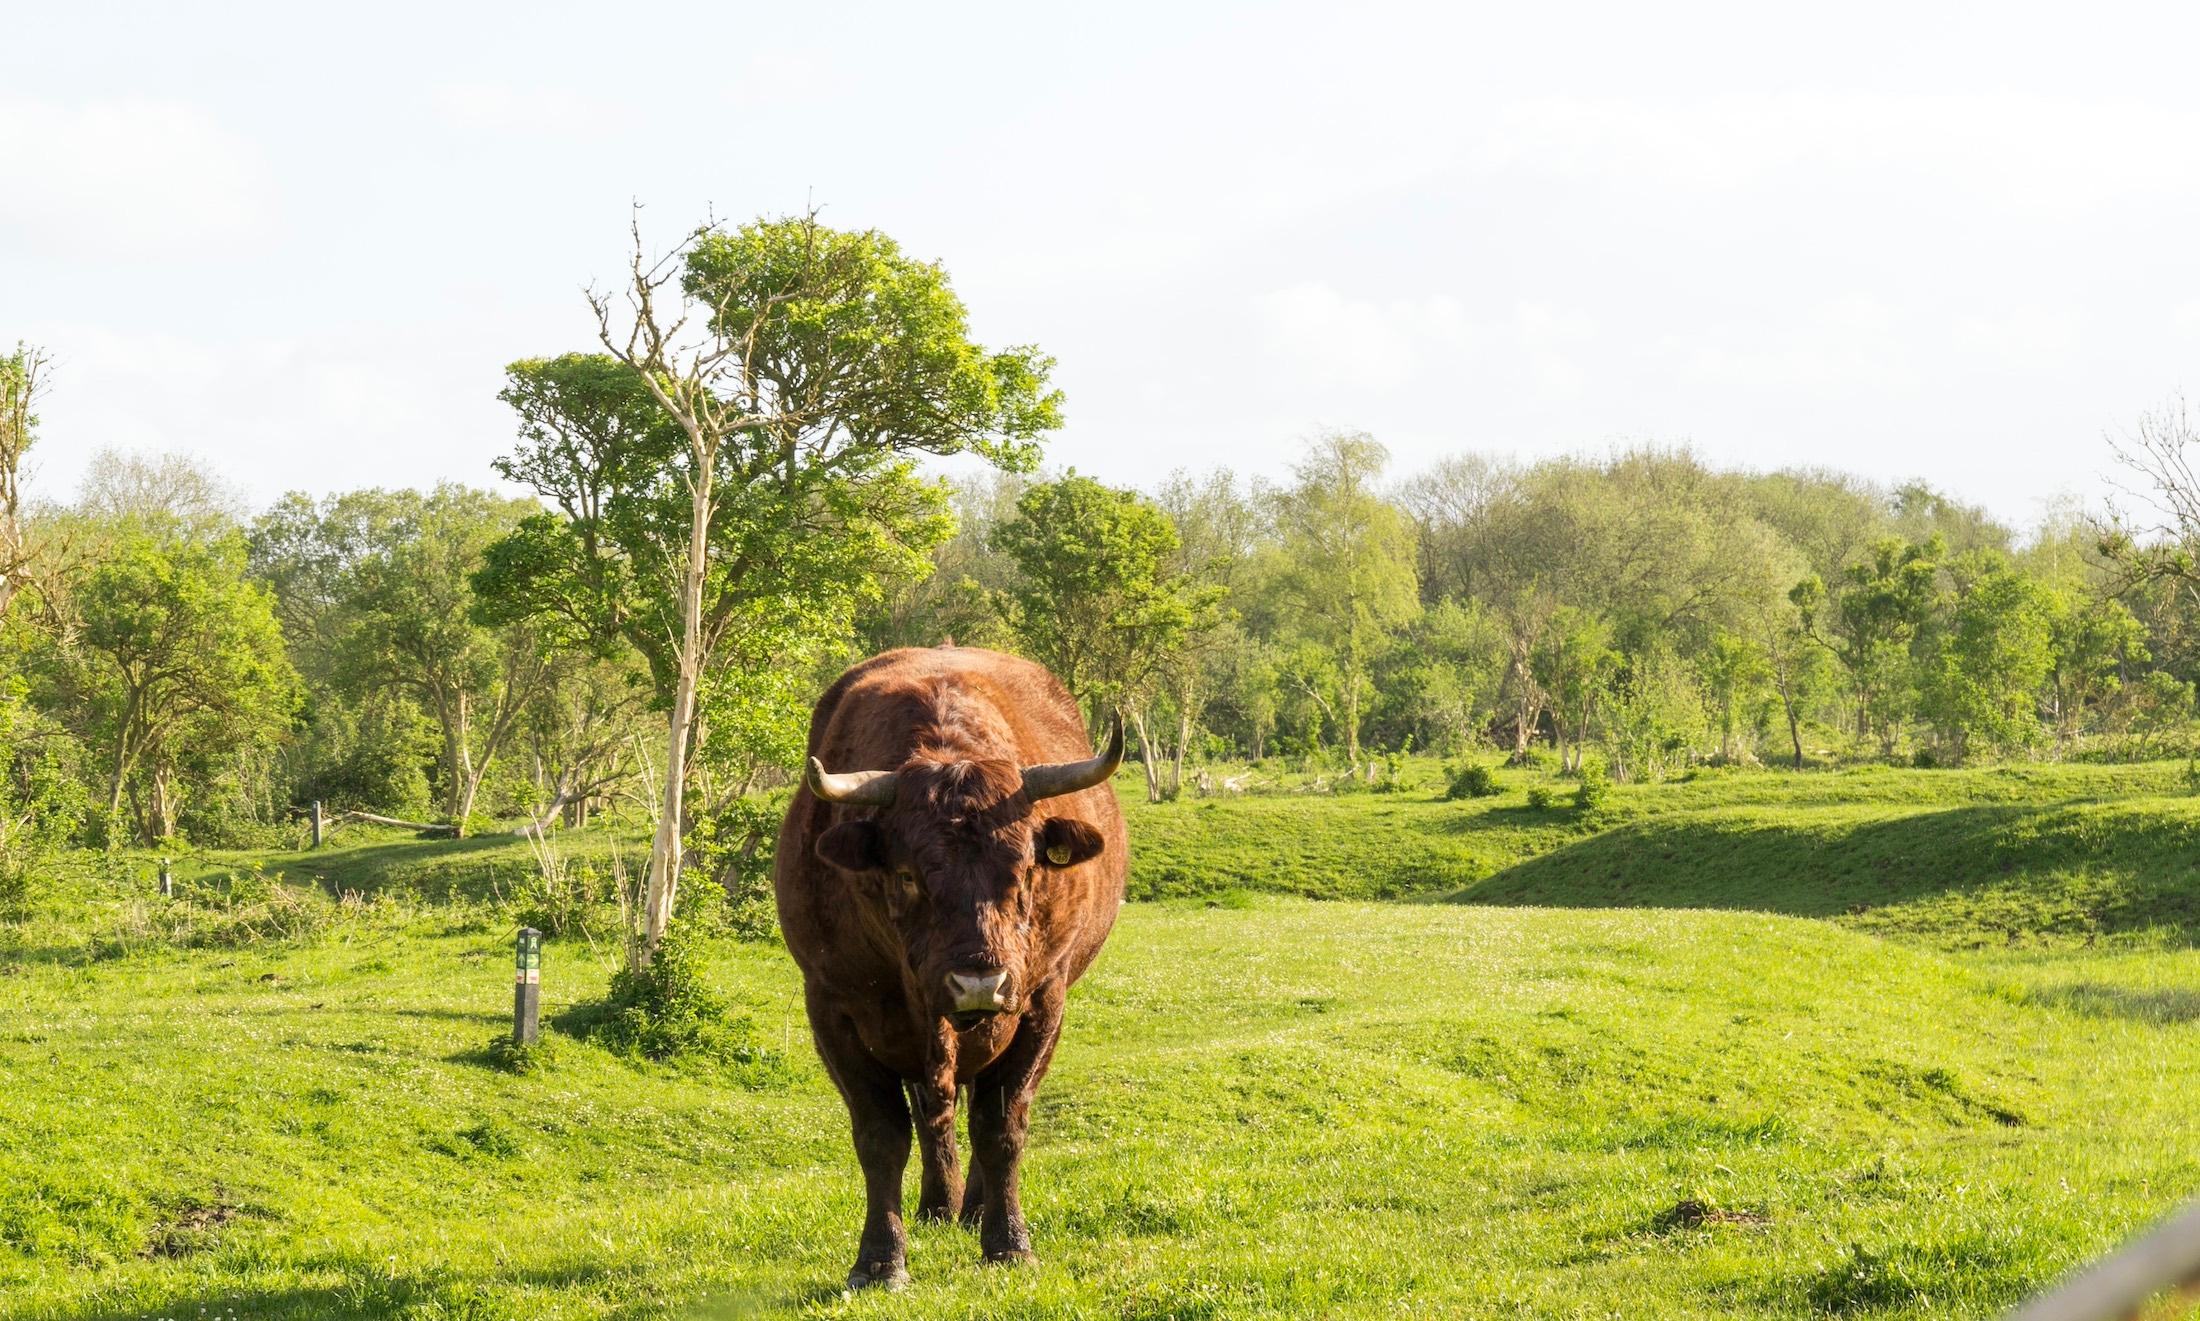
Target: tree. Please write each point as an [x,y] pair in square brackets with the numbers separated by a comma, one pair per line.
[1347,564]
[171,496]
[1655,712]
[1219,531]
[1574,666]
[961,595]
[1455,673]
[750,473]
[21,382]
[1794,663]
[1100,599]
[361,741]
[411,622]
[1867,620]
[1734,669]
[2094,642]
[1985,680]
[180,651]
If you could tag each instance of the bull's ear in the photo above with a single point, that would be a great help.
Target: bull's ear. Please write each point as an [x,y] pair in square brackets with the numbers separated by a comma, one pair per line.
[1064,841]
[854,846]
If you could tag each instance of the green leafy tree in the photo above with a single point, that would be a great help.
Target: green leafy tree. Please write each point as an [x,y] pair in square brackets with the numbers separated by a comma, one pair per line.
[411,622]
[1454,674]
[1100,599]
[961,595]
[2095,641]
[1219,532]
[1574,666]
[1655,711]
[1735,671]
[179,652]
[738,476]
[1867,620]
[1992,661]
[1346,566]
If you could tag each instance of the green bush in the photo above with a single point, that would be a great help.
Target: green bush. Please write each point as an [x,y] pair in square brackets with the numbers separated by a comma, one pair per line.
[1473,780]
[668,1013]
[512,1057]
[738,847]
[1594,790]
[1539,797]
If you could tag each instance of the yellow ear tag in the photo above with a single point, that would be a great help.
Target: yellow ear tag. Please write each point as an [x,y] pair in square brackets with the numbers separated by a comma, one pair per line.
[1059,855]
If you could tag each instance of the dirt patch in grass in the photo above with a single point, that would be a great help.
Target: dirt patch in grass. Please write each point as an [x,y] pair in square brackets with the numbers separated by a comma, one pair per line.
[190,1227]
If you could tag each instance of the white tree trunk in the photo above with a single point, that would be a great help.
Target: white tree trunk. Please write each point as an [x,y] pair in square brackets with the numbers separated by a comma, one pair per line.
[665,848]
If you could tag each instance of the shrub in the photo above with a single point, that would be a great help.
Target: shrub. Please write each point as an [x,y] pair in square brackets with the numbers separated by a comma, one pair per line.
[512,1057]
[1539,797]
[1473,780]
[1595,789]
[667,1012]
[738,847]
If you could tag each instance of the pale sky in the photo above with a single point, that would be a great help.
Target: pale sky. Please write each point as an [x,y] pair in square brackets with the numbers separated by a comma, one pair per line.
[1954,242]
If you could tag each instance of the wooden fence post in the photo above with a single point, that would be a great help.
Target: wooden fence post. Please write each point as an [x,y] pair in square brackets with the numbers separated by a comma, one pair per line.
[317,823]
[167,881]
[527,988]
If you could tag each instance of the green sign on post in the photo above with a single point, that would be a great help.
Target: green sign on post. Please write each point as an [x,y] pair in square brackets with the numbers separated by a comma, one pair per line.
[527,988]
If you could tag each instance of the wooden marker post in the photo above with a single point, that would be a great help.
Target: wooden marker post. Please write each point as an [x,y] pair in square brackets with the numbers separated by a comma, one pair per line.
[317,823]
[527,988]
[167,881]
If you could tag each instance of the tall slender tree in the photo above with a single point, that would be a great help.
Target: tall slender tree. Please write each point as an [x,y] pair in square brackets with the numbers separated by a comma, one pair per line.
[1347,564]
[737,475]
[22,380]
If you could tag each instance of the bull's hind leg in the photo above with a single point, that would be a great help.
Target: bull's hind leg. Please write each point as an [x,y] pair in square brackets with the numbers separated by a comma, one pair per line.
[940,1193]
[878,1115]
[1000,1116]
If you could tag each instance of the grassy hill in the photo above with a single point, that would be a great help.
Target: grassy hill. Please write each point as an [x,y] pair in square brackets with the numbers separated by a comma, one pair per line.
[1976,858]
[1583,1090]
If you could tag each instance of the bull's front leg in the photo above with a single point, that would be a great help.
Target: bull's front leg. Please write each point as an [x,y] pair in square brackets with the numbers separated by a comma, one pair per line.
[940,1193]
[878,1117]
[1000,1116]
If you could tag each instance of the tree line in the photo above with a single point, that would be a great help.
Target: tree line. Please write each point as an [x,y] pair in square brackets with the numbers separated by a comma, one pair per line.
[725,500]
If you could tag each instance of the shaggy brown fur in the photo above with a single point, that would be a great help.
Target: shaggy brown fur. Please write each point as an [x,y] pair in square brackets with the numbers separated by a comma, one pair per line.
[879,906]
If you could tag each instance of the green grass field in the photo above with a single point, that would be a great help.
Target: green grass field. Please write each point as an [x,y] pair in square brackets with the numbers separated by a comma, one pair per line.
[1878,1043]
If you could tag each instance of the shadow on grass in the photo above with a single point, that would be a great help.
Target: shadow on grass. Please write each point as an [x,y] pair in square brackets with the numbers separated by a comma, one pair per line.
[370,1293]
[2075,868]
[438,869]
[2164,1007]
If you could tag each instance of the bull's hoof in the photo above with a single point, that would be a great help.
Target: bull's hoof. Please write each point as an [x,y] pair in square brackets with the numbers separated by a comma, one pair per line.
[973,1213]
[887,1275]
[1012,1257]
[942,1214]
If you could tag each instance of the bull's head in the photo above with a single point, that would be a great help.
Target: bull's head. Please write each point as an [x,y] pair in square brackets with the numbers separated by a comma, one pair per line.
[959,851]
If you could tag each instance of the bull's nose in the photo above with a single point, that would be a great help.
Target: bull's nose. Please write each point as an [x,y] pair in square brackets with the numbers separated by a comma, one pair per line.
[979,992]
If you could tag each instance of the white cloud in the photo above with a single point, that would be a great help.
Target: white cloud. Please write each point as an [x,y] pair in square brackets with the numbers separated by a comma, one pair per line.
[498,108]
[1361,342]
[131,176]
[2030,338]
[1845,342]
[274,412]
[2039,153]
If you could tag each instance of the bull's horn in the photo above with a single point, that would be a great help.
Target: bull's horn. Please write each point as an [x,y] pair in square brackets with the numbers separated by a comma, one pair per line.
[862,788]
[1050,779]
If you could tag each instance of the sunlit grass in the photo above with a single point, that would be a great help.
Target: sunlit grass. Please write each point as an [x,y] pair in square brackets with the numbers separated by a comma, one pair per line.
[1263,1106]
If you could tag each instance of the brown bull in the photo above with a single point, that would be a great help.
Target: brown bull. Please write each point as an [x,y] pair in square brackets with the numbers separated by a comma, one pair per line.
[941,892]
